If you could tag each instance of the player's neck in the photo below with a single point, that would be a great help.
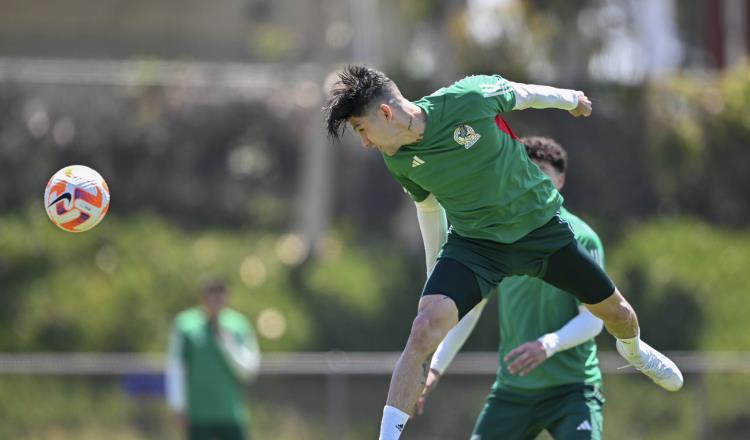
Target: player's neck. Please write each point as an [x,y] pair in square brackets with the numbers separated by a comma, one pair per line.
[416,125]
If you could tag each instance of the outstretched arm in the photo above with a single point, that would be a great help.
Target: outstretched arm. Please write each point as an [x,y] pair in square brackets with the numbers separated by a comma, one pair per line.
[537,96]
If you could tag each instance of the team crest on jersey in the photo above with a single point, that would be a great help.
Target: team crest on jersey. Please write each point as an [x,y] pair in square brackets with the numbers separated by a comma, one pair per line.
[465,135]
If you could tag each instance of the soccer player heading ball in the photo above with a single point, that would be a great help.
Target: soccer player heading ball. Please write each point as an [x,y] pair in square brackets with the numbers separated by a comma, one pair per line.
[549,377]
[451,150]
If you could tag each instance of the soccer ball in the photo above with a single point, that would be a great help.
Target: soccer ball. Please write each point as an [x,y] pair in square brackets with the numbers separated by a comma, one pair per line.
[76,198]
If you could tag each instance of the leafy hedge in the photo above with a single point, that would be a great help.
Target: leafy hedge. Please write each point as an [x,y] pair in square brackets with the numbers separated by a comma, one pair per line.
[699,131]
[117,287]
[689,281]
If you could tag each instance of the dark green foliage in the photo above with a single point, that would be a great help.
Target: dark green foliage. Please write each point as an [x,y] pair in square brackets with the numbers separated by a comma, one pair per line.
[700,131]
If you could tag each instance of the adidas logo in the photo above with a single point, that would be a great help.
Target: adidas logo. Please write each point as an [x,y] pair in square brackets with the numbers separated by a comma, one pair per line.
[400,427]
[415,162]
[584,426]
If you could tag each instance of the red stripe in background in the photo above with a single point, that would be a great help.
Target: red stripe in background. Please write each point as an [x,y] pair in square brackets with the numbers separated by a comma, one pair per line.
[502,125]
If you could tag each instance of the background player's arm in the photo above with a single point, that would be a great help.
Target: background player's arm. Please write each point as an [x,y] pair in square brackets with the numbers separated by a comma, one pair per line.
[175,374]
[526,357]
[584,326]
[242,353]
[578,330]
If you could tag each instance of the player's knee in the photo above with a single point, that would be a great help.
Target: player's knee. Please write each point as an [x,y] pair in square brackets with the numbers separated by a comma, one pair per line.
[427,331]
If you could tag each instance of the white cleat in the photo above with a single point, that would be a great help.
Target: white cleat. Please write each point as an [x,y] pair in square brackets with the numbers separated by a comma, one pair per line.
[656,366]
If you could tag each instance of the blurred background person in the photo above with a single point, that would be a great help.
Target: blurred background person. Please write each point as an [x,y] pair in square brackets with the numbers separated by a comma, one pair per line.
[212,352]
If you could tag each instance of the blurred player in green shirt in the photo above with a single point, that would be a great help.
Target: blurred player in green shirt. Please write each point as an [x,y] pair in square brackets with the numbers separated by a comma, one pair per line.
[452,151]
[212,352]
[549,375]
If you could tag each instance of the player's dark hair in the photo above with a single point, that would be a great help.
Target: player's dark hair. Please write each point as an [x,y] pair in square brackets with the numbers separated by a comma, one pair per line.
[356,88]
[546,150]
[213,285]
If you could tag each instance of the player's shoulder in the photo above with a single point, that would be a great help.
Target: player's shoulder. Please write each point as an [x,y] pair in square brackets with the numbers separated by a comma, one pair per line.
[582,230]
[465,99]
[486,85]
[189,318]
[473,85]
[234,318]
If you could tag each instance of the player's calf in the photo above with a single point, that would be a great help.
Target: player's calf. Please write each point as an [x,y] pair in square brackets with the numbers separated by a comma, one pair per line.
[618,316]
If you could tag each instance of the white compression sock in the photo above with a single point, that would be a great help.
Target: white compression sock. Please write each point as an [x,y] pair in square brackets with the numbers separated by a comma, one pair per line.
[631,346]
[393,423]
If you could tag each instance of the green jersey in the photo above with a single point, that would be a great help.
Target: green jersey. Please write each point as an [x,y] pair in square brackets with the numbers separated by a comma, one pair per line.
[214,392]
[531,308]
[471,161]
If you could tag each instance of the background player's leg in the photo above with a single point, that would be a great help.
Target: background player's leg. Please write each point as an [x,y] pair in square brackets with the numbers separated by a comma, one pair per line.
[199,432]
[231,431]
[506,415]
[574,413]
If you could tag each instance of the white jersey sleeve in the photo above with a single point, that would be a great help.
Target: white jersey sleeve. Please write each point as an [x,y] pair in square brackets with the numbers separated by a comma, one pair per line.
[578,330]
[175,373]
[434,228]
[536,96]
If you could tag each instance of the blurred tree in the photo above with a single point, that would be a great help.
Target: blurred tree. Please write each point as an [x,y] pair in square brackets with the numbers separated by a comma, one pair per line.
[687,281]
[174,151]
[699,160]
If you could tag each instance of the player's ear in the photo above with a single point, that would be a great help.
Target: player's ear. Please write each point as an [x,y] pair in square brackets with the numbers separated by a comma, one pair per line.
[385,111]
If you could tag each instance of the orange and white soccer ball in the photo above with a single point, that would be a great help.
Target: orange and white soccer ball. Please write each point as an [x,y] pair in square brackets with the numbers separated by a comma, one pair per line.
[76,198]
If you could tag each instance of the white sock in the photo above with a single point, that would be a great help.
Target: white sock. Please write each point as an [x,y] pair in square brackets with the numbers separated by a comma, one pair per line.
[393,423]
[631,346]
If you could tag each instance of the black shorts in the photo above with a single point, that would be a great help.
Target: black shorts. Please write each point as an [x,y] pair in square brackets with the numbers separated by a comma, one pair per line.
[468,269]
